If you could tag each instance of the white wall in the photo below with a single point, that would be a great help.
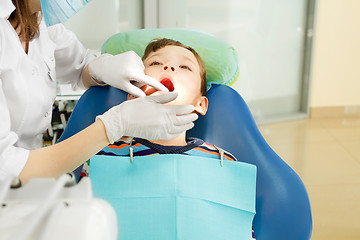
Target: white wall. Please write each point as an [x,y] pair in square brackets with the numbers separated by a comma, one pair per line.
[336,66]
[100,19]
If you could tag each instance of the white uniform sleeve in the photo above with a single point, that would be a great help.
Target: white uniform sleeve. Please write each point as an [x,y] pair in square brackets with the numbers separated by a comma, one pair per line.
[70,55]
[12,159]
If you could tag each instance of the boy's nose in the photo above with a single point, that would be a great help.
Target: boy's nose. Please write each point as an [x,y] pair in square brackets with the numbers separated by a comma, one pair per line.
[171,68]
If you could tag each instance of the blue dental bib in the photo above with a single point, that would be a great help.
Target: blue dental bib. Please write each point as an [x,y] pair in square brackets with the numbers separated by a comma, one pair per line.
[176,196]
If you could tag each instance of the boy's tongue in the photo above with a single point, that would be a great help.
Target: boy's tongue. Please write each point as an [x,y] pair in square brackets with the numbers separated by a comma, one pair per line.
[167,82]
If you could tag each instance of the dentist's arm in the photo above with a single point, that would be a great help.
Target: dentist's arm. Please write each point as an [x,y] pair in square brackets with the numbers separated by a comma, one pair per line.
[145,117]
[66,156]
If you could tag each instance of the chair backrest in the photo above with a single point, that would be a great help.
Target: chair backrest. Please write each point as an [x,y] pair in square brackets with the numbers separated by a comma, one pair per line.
[282,203]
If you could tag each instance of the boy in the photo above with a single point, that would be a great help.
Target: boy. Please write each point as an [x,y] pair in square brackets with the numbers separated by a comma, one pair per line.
[179,68]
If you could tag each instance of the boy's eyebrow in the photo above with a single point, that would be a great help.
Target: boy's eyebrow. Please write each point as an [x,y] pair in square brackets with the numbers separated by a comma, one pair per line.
[185,57]
[189,59]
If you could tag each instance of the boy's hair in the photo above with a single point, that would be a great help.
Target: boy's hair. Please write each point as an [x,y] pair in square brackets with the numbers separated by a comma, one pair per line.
[157,44]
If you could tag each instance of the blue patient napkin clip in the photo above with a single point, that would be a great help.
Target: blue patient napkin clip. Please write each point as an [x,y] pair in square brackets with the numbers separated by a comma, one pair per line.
[131,150]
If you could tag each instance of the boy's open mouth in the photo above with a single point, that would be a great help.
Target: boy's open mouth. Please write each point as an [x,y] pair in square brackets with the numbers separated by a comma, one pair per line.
[167,82]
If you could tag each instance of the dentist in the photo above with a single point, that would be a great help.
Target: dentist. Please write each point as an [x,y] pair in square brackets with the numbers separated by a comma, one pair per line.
[36,53]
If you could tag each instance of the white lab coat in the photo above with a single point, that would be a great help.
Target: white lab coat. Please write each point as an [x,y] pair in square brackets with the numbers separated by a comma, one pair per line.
[28,85]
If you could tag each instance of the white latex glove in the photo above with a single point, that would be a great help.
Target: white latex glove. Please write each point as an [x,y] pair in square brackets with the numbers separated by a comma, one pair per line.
[148,118]
[124,71]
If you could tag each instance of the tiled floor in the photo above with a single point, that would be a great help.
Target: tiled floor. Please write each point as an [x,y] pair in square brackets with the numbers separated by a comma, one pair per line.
[326,155]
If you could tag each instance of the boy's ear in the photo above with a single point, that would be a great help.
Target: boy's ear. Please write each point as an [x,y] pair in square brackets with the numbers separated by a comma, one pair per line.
[202,105]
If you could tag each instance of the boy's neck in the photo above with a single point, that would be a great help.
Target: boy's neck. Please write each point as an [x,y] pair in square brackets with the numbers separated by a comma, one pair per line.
[178,141]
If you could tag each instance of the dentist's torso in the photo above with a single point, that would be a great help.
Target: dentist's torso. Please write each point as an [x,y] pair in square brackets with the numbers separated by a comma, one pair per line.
[28,87]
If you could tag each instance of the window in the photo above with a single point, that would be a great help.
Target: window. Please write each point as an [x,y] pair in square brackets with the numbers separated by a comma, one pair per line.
[273,41]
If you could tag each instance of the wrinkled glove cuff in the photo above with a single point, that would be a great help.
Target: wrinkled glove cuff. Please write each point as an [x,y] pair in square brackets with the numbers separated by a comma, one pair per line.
[112,136]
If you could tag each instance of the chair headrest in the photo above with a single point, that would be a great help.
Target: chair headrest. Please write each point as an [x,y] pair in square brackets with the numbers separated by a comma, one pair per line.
[221,60]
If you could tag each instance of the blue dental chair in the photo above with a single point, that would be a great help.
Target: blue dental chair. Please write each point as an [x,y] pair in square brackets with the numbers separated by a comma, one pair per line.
[282,204]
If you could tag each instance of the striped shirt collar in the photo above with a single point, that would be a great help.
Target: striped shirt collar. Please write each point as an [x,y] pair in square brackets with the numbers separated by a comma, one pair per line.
[191,143]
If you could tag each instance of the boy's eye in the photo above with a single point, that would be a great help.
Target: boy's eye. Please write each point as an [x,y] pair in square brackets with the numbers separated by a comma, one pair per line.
[185,67]
[154,63]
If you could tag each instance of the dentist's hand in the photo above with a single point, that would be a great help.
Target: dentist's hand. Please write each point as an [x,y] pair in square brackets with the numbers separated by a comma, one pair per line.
[124,71]
[148,118]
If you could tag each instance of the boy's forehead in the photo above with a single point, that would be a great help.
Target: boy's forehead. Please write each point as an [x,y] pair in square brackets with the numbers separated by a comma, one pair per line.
[175,51]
